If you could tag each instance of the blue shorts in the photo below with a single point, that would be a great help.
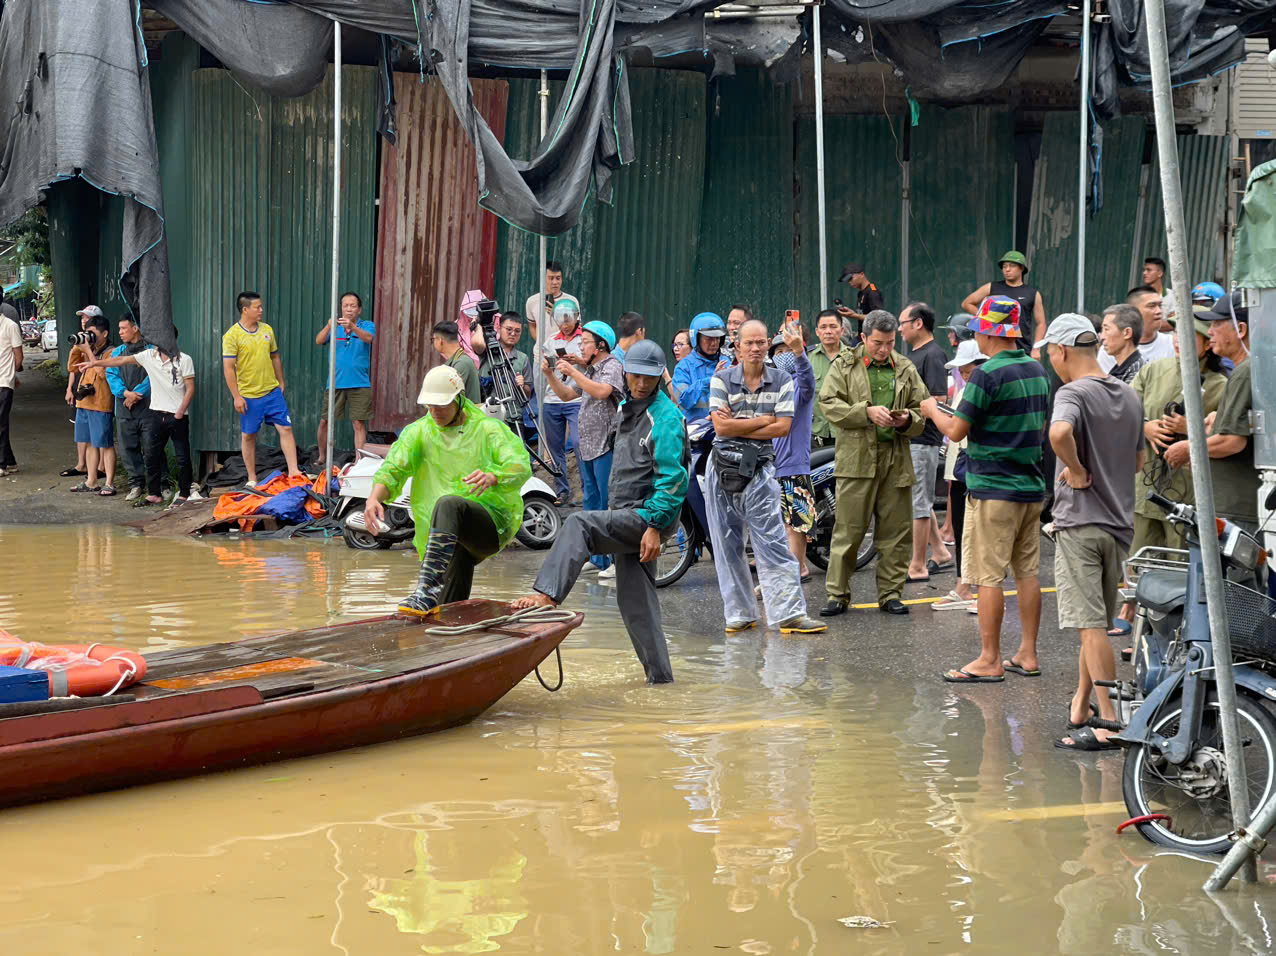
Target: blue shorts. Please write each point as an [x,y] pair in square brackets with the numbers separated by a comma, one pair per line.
[269,408]
[96,428]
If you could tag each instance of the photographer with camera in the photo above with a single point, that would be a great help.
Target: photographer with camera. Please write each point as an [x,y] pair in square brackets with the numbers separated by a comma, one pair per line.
[94,403]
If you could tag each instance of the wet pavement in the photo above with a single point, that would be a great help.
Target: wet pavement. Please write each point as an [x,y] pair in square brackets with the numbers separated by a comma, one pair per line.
[781,784]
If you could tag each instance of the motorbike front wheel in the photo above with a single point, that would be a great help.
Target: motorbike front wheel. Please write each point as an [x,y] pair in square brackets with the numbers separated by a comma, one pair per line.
[363,540]
[541,523]
[1194,794]
[817,551]
[677,553]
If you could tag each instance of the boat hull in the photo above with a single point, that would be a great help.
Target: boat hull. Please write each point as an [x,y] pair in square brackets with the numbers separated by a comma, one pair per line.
[169,743]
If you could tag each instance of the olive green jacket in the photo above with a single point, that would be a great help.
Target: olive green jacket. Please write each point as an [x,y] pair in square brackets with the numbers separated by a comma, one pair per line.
[1157,384]
[844,400]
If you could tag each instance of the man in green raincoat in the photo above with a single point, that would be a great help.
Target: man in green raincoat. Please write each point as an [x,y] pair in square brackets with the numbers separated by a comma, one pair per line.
[466,471]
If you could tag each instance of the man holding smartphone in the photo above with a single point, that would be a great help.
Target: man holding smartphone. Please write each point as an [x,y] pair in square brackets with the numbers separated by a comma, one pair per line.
[872,398]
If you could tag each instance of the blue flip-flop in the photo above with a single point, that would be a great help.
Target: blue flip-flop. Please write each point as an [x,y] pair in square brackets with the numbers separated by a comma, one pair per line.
[1120,627]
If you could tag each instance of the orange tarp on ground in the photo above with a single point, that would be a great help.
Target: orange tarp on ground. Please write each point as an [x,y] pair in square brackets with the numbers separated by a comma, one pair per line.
[240,504]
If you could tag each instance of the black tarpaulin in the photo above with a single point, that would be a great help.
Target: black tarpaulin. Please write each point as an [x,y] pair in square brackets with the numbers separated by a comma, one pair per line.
[73,79]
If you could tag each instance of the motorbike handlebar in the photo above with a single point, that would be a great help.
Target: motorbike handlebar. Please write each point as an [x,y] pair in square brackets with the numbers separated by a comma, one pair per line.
[1161,501]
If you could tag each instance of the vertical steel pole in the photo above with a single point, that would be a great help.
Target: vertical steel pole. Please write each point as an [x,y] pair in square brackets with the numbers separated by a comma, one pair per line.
[818,55]
[336,248]
[1176,239]
[1082,177]
[542,321]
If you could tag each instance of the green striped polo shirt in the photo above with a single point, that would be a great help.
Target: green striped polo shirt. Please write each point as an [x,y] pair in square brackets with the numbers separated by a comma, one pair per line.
[1005,403]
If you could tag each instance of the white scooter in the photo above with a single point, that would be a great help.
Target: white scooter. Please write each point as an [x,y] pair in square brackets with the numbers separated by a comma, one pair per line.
[541,520]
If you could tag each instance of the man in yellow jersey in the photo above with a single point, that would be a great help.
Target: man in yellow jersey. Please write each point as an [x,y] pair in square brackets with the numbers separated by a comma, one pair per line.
[255,377]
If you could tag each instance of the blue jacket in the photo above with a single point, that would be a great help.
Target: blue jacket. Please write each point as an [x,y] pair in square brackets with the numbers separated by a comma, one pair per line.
[691,380]
[131,378]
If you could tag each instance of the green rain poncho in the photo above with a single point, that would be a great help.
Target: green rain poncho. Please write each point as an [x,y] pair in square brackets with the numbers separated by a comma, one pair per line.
[436,459]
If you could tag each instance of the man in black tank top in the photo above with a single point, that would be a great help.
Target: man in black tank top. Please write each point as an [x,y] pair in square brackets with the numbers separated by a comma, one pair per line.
[1032,314]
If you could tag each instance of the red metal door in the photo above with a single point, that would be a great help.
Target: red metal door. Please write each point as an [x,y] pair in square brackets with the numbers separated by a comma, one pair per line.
[434,243]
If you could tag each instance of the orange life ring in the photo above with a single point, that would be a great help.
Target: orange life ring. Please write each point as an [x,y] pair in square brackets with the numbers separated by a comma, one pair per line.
[106,670]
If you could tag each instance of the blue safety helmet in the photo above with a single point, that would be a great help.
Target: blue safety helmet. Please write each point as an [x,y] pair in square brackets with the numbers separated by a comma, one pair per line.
[710,324]
[1207,292]
[603,331]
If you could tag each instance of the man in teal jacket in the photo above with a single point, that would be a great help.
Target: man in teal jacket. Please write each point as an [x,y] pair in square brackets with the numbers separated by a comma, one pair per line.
[645,494]
[466,471]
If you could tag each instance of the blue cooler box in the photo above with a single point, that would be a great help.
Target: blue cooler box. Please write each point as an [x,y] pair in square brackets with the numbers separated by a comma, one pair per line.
[19,685]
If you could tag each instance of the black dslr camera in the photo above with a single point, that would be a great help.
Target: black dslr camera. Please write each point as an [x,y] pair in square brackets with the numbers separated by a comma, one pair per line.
[83,392]
[81,338]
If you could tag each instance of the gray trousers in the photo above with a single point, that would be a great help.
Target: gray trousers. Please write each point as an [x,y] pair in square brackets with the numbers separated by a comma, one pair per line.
[755,510]
[617,533]
[135,435]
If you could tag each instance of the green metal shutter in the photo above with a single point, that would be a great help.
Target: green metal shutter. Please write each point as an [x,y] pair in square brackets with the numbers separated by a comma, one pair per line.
[1052,230]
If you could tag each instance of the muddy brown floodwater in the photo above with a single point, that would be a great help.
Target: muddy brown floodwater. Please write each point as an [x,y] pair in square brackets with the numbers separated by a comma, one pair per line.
[776,788]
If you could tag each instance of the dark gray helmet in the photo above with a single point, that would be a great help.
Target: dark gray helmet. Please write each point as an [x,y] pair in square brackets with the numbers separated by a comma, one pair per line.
[645,357]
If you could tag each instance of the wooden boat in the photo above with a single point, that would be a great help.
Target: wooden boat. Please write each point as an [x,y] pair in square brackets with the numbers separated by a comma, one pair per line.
[219,706]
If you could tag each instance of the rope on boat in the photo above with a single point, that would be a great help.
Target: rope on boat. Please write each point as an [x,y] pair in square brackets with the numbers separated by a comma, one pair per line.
[528,615]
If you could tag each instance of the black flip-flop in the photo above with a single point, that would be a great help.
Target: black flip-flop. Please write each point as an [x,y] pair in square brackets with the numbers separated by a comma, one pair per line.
[935,568]
[1094,712]
[969,678]
[1087,740]
[71,472]
[1019,669]
[912,580]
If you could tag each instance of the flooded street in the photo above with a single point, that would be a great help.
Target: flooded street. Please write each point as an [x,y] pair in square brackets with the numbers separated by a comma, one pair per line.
[782,783]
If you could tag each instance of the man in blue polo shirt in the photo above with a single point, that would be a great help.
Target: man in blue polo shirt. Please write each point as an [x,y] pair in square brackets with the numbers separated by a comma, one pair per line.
[354,369]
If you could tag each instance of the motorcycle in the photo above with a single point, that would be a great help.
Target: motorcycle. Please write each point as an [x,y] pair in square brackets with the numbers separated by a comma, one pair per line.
[541,521]
[681,549]
[1175,774]
[825,485]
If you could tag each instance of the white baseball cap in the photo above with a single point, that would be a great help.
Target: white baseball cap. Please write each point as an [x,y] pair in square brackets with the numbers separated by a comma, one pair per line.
[1069,329]
[967,354]
[91,310]
[441,386]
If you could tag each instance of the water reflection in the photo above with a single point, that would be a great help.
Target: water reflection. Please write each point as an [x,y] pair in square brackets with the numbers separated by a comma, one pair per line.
[775,788]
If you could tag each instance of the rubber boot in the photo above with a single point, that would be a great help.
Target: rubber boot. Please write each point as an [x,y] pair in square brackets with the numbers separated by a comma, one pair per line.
[424,601]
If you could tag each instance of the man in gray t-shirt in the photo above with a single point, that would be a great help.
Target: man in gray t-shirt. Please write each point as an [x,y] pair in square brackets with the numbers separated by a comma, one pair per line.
[1097,435]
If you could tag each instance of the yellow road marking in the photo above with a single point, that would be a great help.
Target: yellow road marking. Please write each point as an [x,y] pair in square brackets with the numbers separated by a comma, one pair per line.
[1065,810]
[932,600]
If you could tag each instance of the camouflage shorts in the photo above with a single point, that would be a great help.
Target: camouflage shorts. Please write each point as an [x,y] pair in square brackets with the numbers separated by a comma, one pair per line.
[797,503]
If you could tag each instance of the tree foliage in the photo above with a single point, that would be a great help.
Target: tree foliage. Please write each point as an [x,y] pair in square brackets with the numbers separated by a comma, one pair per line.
[31,234]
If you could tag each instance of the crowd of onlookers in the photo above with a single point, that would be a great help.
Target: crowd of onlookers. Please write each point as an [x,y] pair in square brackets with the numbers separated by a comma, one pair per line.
[1011,442]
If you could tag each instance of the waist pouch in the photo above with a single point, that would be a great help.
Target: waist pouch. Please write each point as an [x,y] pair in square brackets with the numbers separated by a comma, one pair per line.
[736,462]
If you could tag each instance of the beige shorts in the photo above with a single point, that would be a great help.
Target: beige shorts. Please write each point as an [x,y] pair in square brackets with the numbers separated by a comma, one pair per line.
[1000,535]
[1088,566]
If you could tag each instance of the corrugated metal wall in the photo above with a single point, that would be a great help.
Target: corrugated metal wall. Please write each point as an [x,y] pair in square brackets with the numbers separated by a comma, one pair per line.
[640,252]
[963,182]
[746,222]
[256,180]
[431,236]
[86,246]
[1203,164]
[1052,231]
[962,186]
[862,185]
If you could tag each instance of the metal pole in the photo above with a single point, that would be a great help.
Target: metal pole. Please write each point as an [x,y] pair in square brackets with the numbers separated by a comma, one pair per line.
[1176,236]
[818,55]
[1241,854]
[542,321]
[336,248]
[905,212]
[1083,166]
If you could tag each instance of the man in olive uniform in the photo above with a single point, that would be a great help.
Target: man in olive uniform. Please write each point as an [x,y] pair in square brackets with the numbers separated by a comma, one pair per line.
[872,397]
